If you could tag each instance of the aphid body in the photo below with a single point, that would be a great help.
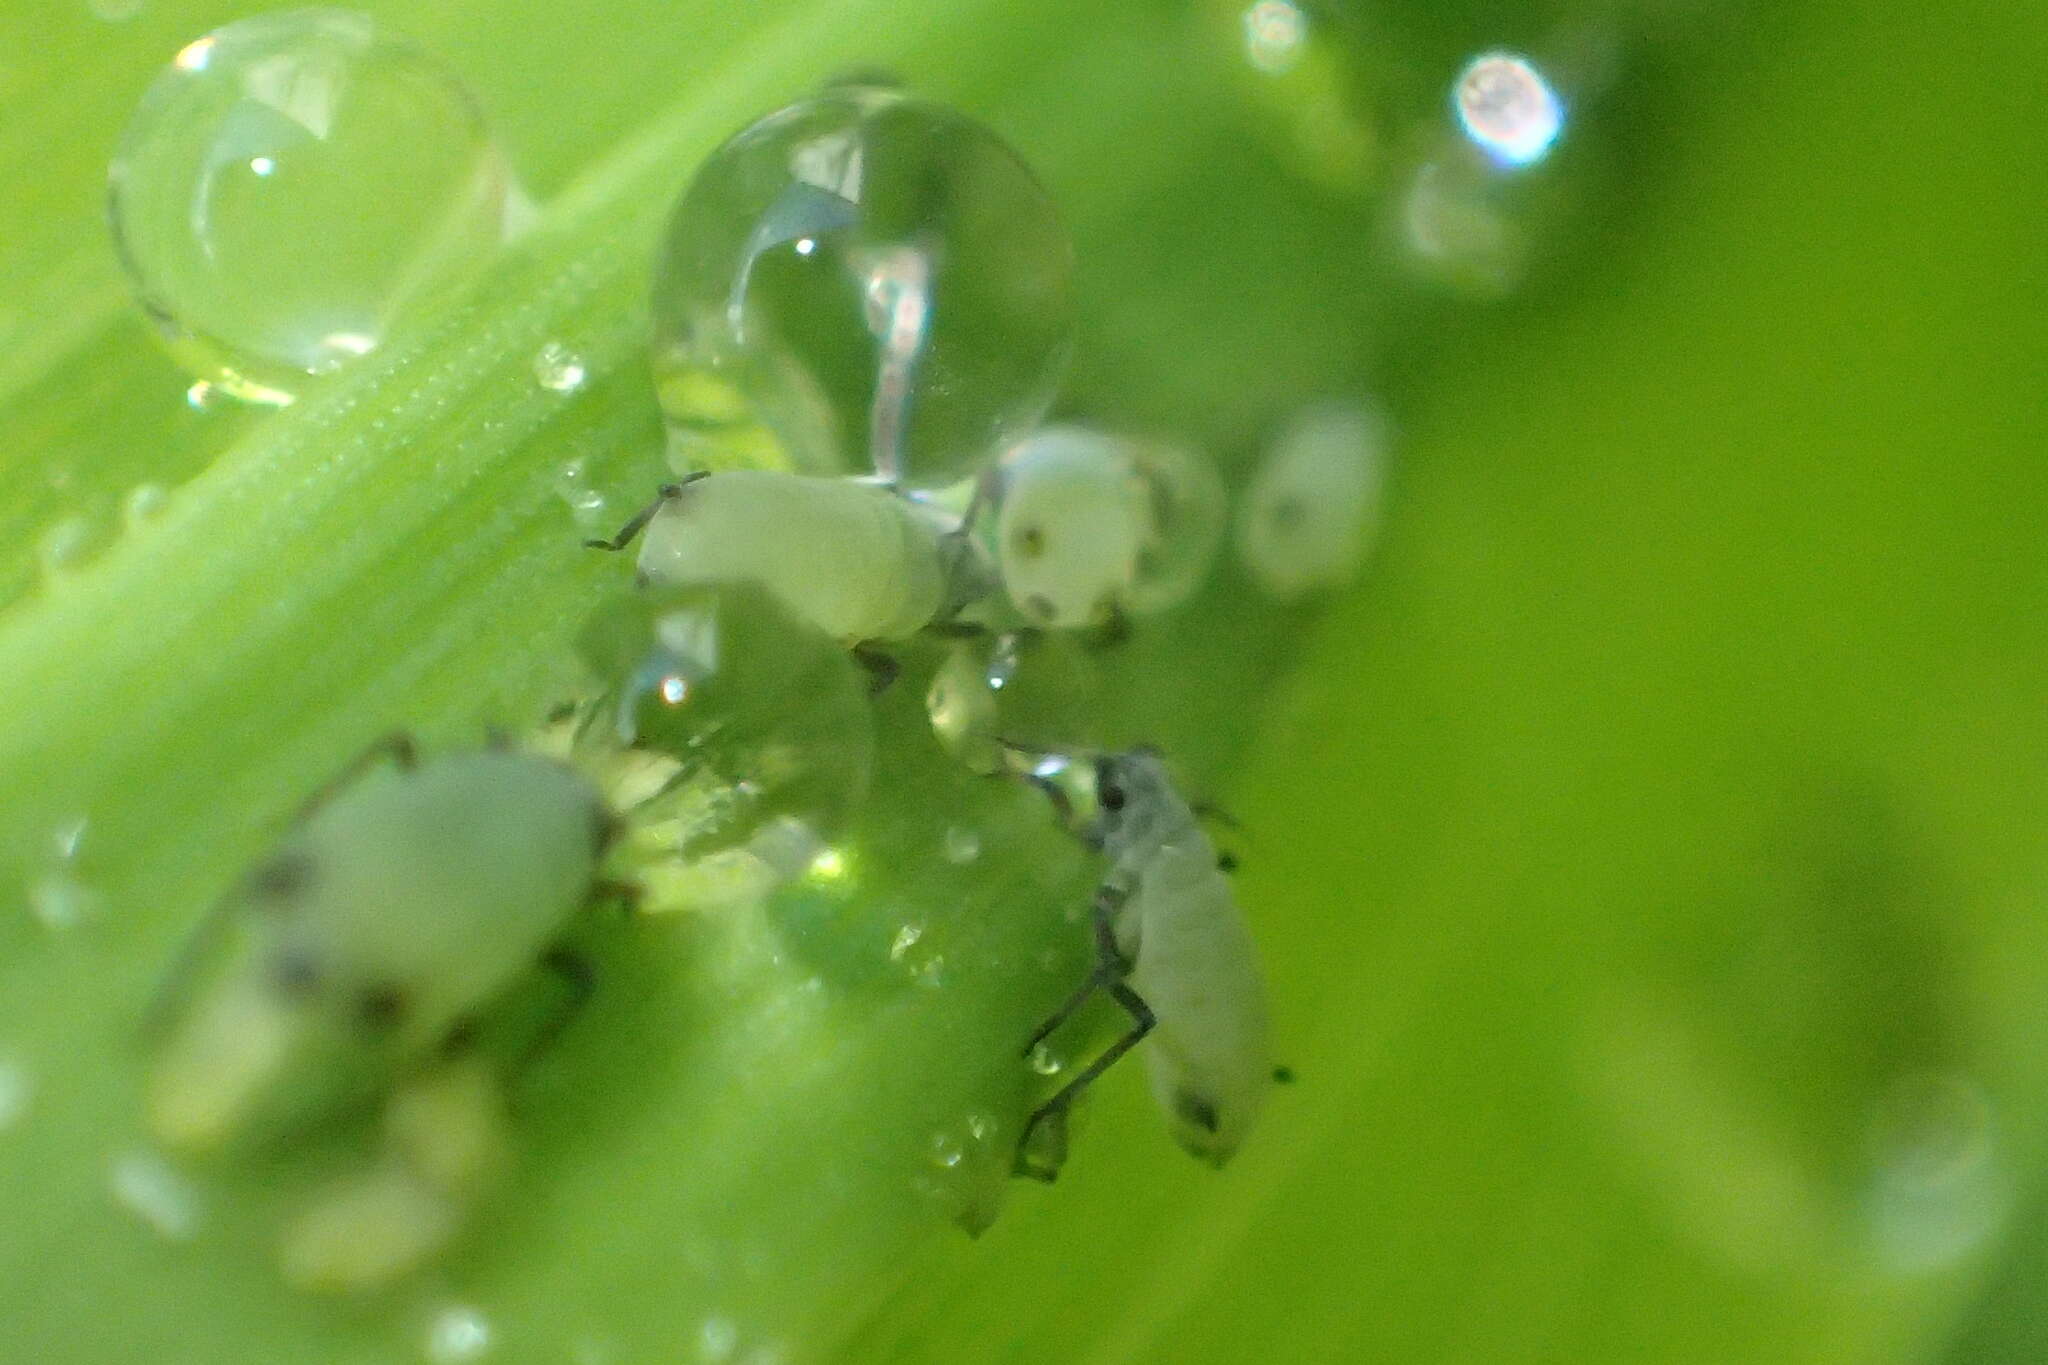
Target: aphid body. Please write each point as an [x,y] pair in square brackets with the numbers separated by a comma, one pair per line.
[853,559]
[1314,503]
[1175,951]
[1071,522]
[395,909]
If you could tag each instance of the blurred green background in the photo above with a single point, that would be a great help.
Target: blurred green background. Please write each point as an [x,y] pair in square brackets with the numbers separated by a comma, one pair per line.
[1646,851]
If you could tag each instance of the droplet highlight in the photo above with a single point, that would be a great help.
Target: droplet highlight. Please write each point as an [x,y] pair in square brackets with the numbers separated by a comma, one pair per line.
[558,368]
[154,1191]
[1506,107]
[458,1334]
[308,126]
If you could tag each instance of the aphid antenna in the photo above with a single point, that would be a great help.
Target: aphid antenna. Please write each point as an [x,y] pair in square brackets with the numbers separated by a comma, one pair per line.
[637,523]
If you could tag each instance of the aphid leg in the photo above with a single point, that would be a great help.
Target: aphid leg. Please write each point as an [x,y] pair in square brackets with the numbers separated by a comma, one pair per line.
[579,980]
[1141,1024]
[882,666]
[398,747]
[637,523]
[1113,631]
[1108,975]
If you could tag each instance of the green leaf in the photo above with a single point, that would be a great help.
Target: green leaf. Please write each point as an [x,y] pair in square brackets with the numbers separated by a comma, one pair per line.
[1645,854]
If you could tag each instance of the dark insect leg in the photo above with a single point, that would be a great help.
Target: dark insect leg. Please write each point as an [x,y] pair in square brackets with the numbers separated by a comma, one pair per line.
[637,523]
[882,666]
[398,747]
[1107,977]
[579,980]
[1141,1024]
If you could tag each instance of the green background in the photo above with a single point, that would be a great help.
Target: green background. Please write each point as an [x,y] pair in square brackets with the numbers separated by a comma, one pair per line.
[1650,825]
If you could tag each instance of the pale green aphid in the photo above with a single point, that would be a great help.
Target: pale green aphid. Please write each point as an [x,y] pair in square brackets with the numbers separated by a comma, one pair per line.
[1173,949]
[1071,521]
[395,909]
[852,559]
[1315,501]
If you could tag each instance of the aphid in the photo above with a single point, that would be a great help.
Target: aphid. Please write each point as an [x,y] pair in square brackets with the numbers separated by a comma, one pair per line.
[1173,950]
[1071,521]
[1315,501]
[397,907]
[852,559]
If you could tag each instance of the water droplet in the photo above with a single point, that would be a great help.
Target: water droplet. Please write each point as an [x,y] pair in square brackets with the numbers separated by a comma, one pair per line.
[906,939]
[946,1151]
[981,1127]
[458,1333]
[717,1339]
[61,901]
[16,1090]
[153,1190]
[1938,1184]
[963,845]
[1457,232]
[309,126]
[864,280]
[200,396]
[1274,32]
[1047,1062]
[145,503]
[558,368]
[65,545]
[1002,662]
[1314,502]
[114,11]
[1507,108]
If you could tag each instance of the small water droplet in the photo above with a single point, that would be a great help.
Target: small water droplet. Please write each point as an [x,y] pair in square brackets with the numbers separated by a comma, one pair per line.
[458,1333]
[201,396]
[145,503]
[717,1339]
[114,11]
[906,939]
[963,845]
[1002,663]
[63,547]
[1274,32]
[307,126]
[68,836]
[981,1127]
[1507,108]
[946,1151]
[558,368]
[1938,1183]
[871,224]
[1047,1062]
[61,901]
[156,1192]
[16,1090]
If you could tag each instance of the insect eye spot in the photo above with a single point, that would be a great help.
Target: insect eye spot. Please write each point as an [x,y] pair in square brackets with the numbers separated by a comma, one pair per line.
[1111,796]
[1030,541]
[1040,606]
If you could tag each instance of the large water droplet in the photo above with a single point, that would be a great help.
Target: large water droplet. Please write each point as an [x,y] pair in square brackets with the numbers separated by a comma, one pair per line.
[559,368]
[1274,32]
[309,128]
[864,280]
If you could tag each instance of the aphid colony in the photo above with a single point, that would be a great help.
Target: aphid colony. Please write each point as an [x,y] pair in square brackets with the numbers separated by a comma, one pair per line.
[366,958]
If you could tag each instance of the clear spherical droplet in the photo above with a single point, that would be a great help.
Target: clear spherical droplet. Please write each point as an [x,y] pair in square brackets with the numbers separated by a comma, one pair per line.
[558,368]
[291,186]
[862,281]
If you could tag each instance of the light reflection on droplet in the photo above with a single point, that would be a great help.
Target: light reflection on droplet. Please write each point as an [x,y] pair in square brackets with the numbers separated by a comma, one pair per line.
[963,845]
[1507,108]
[1274,31]
[457,1334]
[946,1151]
[153,1190]
[16,1090]
[829,864]
[675,689]
[906,939]
[1046,1062]
[1938,1187]
[60,901]
[717,1338]
[201,396]
[559,369]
